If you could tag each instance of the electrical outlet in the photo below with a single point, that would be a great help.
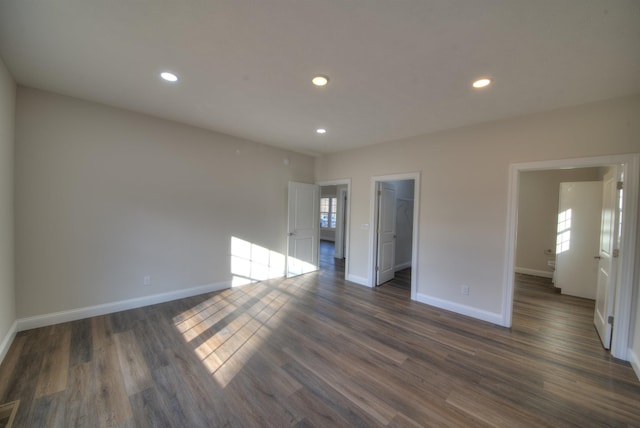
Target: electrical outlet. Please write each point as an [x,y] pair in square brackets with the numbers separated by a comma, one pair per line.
[465,290]
[147,280]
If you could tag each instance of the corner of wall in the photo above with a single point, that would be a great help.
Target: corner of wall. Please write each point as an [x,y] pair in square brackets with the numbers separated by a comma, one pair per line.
[7,193]
[470,311]
[6,342]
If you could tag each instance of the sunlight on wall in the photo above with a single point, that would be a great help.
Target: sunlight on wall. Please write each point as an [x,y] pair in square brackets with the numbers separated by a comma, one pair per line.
[251,262]
[299,267]
[563,238]
[620,210]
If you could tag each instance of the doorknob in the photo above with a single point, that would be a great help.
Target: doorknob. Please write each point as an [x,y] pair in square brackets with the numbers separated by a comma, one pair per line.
[597,257]
[291,233]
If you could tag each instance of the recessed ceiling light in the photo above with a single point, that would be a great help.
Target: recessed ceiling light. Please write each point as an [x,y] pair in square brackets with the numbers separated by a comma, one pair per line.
[169,77]
[482,83]
[320,80]
[321,131]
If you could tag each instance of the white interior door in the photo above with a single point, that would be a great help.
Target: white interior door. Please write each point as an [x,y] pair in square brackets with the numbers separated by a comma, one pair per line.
[303,228]
[603,316]
[578,238]
[386,227]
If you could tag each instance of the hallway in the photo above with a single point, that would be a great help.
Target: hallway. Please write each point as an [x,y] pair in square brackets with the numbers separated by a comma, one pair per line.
[400,286]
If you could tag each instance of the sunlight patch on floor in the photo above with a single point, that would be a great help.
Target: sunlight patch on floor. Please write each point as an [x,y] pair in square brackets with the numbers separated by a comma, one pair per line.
[232,325]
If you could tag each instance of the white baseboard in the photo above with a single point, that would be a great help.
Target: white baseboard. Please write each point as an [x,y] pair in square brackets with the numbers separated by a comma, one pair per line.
[402,266]
[358,280]
[534,272]
[122,305]
[635,362]
[458,308]
[8,340]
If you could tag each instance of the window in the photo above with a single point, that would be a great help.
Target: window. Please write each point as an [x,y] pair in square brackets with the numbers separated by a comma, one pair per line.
[328,207]
[563,239]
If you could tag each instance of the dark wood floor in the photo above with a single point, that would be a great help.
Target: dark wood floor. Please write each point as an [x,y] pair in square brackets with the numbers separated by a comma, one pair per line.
[400,285]
[318,351]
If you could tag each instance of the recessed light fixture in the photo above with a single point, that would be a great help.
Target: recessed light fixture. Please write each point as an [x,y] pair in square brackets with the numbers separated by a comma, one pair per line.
[168,76]
[321,131]
[320,80]
[482,83]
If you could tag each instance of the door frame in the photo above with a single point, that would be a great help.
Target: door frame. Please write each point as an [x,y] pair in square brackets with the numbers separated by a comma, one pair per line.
[347,217]
[343,198]
[625,280]
[373,221]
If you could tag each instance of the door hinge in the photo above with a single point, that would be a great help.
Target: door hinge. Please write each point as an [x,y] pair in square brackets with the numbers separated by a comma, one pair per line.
[377,269]
[616,253]
[379,192]
[620,185]
[610,319]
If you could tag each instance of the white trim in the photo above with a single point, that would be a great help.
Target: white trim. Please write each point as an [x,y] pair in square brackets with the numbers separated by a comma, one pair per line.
[8,340]
[625,275]
[341,226]
[470,311]
[347,181]
[359,280]
[402,266]
[534,272]
[415,176]
[624,285]
[122,305]
[635,362]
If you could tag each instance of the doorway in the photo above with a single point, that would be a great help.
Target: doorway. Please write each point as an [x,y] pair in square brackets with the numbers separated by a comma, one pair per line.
[559,224]
[623,285]
[394,231]
[334,212]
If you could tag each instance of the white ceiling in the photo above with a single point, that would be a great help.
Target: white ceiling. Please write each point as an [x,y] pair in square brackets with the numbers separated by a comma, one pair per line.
[398,68]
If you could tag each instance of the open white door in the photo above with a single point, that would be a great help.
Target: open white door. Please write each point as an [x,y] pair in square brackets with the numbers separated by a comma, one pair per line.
[603,316]
[303,228]
[578,238]
[386,227]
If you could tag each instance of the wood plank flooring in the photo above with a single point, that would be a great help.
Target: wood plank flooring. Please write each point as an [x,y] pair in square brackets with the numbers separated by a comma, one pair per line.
[318,351]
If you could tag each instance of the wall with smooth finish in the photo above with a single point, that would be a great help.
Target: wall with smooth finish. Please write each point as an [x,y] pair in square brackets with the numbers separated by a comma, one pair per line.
[538,215]
[634,347]
[464,190]
[106,197]
[7,289]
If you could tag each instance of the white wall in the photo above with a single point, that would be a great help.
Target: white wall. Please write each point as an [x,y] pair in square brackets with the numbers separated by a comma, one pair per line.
[464,174]
[634,351]
[106,197]
[538,215]
[7,290]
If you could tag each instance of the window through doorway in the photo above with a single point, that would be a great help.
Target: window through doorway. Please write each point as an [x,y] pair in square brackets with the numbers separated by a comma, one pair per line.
[328,212]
